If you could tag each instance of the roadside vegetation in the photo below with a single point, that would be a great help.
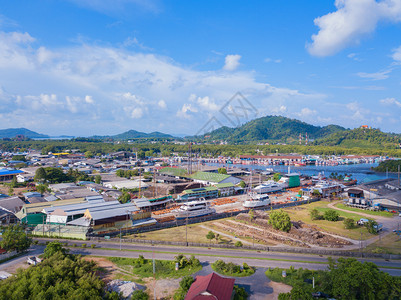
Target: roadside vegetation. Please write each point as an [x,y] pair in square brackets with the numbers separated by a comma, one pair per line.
[231,269]
[346,278]
[59,276]
[143,268]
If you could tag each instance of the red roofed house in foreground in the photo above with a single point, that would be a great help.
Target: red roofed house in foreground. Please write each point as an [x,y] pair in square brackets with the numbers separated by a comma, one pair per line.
[211,286]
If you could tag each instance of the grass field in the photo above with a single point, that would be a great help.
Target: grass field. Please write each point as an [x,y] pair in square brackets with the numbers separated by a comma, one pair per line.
[301,213]
[391,243]
[368,212]
[196,234]
[164,268]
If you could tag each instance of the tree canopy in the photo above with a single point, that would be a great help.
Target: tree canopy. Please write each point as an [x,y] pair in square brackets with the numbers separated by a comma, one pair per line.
[15,238]
[280,220]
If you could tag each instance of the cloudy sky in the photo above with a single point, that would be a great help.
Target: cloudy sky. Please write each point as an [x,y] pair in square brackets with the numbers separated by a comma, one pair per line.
[85,67]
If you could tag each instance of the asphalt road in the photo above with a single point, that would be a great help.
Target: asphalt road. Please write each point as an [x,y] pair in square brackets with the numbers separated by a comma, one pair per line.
[254,258]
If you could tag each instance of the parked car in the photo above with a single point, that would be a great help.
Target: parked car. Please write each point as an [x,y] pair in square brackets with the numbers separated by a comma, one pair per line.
[362,221]
[33,260]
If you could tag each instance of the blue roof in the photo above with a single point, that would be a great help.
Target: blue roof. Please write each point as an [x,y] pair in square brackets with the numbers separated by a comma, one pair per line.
[4,172]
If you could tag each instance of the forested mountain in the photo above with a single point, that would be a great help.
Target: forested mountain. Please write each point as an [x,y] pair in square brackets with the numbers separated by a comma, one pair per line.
[272,128]
[362,137]
[13,132]
[133,134]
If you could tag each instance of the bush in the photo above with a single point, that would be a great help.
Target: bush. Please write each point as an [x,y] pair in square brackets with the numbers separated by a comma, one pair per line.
[186,283]
[74,245]
[240,293]
[93,246]
[349,223]
[231,269]
[315,215]
[238,244]
[139,295]
[371,226]
[331,215]
[280,220]
[83,245]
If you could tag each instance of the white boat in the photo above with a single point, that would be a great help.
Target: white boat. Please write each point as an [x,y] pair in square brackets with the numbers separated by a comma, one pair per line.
[268,187]
[193,209]
[256,200]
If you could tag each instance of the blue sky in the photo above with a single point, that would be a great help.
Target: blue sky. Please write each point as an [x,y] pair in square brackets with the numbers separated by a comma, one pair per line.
[85,67]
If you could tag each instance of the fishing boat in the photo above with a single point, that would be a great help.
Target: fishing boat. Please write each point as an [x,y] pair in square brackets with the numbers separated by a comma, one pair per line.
[256,200]
[193,209]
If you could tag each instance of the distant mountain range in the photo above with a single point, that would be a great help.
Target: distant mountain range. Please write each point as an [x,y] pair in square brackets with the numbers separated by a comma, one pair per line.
[271,128]
[13,132]
[133,134]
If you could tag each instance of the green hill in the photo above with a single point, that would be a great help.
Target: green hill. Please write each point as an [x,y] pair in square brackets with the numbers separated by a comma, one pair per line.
[133,134]
[363,138]
[272,128]
[13,132]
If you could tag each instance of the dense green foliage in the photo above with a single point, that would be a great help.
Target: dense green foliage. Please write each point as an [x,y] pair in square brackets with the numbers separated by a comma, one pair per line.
[222,171]
[60,276]
[272,128]
[207,150]
[240,293]
[139,295]
[362,137]
[280,220]
[346,279]
[56,175]
[127,173]
[371,226]
[331,215]
[231,269]
[15,238]
[52,248]
[388,165]
[185,284]
[133,134]
[210,235]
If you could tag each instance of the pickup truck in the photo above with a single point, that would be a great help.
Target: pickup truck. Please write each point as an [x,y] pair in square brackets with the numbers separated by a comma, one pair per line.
[33,260]
[362,221]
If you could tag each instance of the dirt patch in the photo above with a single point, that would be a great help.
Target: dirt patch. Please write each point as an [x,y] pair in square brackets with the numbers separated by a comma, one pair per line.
[12,269]
[301,234]
[107,270]
[165,288]
[278,288]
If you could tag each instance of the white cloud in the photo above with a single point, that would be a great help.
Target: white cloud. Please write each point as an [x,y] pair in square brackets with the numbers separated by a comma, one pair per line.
[162,104]
[307,112]
[207,104]
[391,101]
[231,62]
[89,99]
[353,20]
[136,113]
[375,76]
[272,60]
[397,54]
[183,112]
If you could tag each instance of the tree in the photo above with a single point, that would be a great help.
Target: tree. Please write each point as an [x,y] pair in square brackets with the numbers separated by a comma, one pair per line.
[242,184]
[280,220]
[15,238]
[315,215]
[331,215]
[125,197]
[298,292]
[52,248]
[88,154]
[240,293]
[41,188]
[276,176]
[222,170]
[186,282]
[238,244]
[40,175]
[210,235]
[98,179]
[371,226]
[10,191]
[14,182]
[349,223]
[139,295]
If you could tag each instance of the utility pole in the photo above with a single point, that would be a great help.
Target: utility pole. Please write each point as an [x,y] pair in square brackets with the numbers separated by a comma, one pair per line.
[154,275]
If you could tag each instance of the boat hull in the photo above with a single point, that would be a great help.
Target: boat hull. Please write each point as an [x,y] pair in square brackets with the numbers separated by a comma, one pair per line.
[194,214]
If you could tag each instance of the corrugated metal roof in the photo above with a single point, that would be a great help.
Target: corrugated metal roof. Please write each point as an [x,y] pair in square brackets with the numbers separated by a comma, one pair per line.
[4,172]
[73,209]
[110,213]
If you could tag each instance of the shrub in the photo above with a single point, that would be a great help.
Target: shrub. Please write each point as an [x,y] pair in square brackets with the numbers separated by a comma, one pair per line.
[331,215]
[349,223]
[280,220]
[315,215]
[93,246]
[186,282]
[139,295]
[371,226]
[238,244]
[83,245]
[74,245]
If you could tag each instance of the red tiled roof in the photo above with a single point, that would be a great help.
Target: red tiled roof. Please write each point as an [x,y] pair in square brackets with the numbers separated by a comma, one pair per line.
[218,287]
